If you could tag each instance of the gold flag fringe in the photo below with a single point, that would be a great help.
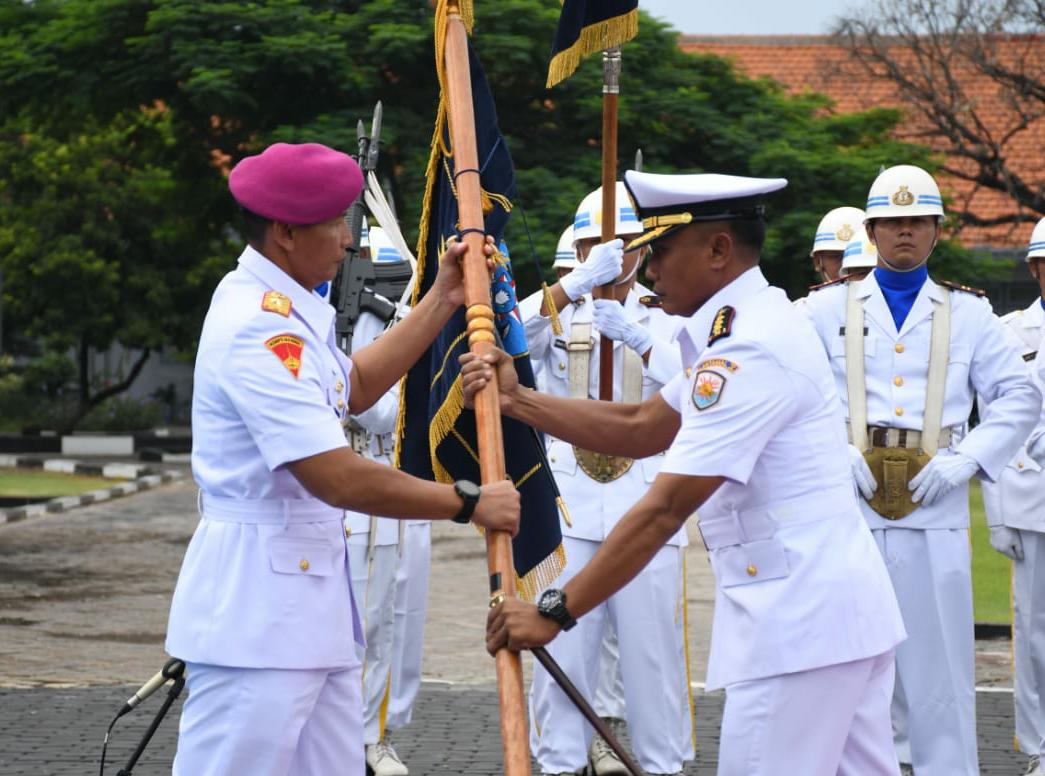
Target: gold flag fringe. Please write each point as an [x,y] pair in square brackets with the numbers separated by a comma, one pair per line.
[541,575]
[596,37]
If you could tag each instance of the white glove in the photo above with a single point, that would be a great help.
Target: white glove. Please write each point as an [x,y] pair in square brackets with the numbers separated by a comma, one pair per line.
[1007,541]
[610,320]
[603,265]
[862,477]
[945,472]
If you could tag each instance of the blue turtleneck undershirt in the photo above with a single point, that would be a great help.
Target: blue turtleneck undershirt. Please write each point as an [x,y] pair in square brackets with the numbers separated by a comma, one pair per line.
[900,289]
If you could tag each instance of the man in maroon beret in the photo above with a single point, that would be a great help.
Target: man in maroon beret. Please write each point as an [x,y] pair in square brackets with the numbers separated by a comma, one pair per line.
[263,613]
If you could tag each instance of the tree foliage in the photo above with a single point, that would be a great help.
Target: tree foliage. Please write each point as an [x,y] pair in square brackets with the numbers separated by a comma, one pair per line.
[124,116]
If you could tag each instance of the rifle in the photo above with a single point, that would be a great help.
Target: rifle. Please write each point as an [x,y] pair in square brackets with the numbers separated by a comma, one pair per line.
[361,285]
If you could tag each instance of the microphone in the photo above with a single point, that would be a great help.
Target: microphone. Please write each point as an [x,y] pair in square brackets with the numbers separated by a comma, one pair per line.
[172,669]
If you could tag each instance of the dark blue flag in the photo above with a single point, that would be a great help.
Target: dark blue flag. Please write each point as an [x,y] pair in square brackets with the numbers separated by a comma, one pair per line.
[587,26]
[437,435]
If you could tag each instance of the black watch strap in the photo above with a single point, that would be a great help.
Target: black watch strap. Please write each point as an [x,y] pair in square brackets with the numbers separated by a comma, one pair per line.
[469,495]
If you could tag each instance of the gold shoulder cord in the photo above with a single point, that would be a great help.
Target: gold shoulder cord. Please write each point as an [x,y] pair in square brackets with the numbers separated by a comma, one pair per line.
[549,305]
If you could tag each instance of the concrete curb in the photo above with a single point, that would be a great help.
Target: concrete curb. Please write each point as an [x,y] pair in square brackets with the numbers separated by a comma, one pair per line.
[138,478]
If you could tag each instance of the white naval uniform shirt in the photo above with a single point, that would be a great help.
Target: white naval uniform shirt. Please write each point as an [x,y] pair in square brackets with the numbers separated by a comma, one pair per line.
[265,582]
[1017,499]
[983,360]
[799,581]
[594,507]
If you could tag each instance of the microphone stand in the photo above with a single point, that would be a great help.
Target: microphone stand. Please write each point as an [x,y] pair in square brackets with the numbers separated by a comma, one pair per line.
[172,695]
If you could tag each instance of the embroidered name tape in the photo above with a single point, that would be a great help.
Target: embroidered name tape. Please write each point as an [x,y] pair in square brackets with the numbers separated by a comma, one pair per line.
[721,363]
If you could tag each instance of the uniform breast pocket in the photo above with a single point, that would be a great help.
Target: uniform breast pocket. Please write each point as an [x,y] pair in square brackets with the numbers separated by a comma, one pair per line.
[958,362]
[304,557]
[838,347]
[561,458]
[651,466]
[750,563]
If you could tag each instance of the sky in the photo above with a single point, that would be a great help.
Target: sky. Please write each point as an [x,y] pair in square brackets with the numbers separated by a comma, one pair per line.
[749,17]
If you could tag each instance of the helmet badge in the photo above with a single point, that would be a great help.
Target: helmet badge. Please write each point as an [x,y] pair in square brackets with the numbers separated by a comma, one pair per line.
[903,197]
[845,234]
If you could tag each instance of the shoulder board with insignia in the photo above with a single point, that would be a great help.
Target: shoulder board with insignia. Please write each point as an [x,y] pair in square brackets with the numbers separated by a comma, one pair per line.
[650,300]
[722,326]
[959,287]
[275,302]
[827,283]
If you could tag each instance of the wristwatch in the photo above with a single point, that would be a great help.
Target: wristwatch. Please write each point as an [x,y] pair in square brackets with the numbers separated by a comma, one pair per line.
[552,604]
[469,493]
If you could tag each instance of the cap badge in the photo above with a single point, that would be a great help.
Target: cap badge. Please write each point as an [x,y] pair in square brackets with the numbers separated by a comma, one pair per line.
[288,349]
[275,302]
[845,234]
[903,197]
[722,326]
[707,389]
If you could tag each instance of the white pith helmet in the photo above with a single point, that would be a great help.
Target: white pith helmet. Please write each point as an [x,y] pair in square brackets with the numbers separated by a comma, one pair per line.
[1036,249]
[565,255]
[904,190]
[381,247]
[588,220]
[837,228]
[364,235]
[859,254]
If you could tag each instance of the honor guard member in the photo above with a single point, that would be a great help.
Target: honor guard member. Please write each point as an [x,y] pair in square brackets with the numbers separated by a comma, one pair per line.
[376,548]
[909,355]
[805,620]
[833,234]
[858,259]
[596,488]
[565,254]
[1015,506]
[263,613]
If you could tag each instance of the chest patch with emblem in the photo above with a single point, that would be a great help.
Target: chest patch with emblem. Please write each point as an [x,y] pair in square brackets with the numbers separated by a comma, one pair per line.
[722,326]
[707,389]
[288,349]
[275,302]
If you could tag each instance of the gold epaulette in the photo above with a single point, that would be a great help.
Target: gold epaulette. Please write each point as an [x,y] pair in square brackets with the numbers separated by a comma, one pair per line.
[959,287]
[275,302]
[650,300]
[827,283]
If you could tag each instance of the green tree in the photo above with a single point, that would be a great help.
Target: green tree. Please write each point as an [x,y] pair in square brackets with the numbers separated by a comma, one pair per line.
[124,116]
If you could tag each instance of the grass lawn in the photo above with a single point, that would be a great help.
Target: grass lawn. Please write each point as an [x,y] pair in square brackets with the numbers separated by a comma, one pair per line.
[991,571]
[35,483]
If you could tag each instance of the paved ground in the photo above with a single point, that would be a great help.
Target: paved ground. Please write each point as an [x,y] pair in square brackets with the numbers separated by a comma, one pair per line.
[83,605]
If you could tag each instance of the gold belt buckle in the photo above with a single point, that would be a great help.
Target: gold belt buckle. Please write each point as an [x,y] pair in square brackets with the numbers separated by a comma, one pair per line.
[600,466]
[893,468]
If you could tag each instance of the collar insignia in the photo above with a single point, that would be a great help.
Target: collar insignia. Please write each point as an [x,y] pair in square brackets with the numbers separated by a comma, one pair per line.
[649,300]
[288,349]
[722,326]
[903,197]
[275,302]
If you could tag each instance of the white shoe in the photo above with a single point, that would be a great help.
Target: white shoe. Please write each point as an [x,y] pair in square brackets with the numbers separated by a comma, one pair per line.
[382,760]
[602,760]
[1034,767]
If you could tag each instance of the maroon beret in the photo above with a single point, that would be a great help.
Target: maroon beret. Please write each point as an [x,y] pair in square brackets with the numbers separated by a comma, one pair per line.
[305,183]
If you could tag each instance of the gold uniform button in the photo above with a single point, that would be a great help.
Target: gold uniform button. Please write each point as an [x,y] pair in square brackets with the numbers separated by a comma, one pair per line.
[304,564]
[1019,465]
[752,571]
[348,531]
[340,404]
[899,411]
[897,381]
[562,365]
[339,387]
[552,459]
[899,347]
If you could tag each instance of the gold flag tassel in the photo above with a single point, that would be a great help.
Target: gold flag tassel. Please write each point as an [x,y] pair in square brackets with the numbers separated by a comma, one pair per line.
[596,37]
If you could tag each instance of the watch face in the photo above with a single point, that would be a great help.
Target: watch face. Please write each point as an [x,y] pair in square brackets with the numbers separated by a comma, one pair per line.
[549,600]
[467,489]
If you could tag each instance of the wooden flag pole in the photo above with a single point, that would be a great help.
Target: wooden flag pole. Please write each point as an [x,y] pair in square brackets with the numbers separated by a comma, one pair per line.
[610,93]
[481,340]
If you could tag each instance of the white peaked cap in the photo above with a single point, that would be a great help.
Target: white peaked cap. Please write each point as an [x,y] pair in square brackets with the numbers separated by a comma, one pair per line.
[1036,249]
[381,247]
[668,202]
[837,228]
[859,254]
[565,255]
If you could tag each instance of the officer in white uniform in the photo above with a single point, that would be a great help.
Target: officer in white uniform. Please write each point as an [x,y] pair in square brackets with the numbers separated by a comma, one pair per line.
[833,234]
[263,613]
[595,489]
[909,355]
[805,620]
[1015,507]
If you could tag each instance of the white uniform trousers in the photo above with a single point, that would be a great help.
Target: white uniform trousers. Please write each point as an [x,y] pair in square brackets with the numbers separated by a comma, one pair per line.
[1028,585]
[270,722]
[609,692]
[647,614]
[822,722]
[374,586]
[411,607]
[935,666]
